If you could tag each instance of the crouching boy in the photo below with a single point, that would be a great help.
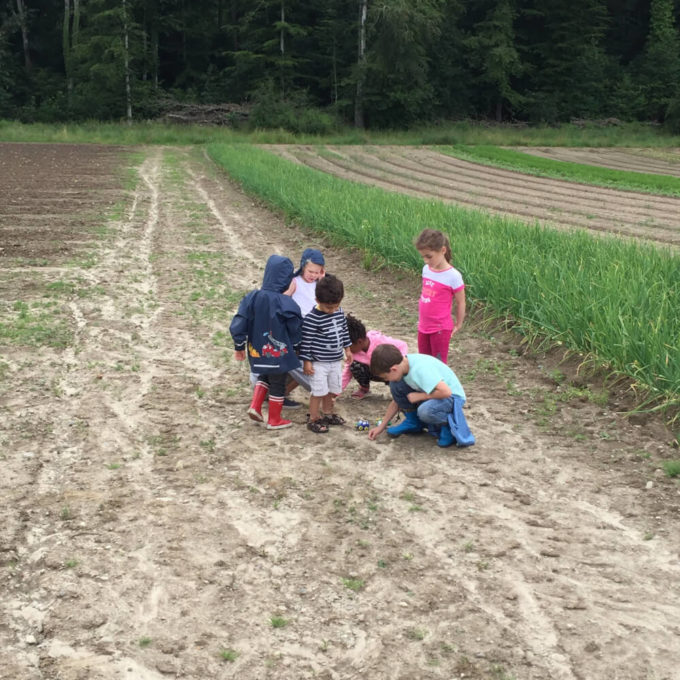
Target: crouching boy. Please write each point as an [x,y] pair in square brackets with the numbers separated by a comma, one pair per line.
[425,388]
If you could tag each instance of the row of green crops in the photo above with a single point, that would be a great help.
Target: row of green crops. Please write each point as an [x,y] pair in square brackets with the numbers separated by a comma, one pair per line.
[577,172]
[611,298]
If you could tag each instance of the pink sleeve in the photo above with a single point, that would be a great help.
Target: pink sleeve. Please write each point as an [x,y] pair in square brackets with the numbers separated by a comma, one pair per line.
[346,375]
[399,344]
[377,338]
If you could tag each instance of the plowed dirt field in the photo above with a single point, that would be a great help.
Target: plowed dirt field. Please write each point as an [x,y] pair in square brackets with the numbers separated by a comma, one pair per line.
[151,530]
[429,174]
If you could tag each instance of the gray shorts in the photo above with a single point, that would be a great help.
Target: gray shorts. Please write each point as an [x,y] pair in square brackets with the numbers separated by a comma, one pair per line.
[327,378]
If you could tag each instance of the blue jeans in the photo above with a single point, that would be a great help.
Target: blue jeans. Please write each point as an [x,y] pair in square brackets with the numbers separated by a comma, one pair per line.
[430,412]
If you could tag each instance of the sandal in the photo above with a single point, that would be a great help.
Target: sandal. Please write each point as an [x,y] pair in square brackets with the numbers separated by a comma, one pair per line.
[333,419]
[360,393]
[318,426]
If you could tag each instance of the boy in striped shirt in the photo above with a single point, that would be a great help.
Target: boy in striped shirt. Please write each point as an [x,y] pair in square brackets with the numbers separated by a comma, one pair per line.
[325,338]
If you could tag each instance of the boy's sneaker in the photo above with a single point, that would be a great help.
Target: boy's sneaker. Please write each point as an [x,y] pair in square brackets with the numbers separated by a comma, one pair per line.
[291,403]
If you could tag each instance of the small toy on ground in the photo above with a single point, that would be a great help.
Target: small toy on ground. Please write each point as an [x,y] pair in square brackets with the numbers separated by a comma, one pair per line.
[362,425]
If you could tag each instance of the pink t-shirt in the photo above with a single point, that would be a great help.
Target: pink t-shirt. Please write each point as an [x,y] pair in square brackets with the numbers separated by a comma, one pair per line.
[436,299]
[375,338]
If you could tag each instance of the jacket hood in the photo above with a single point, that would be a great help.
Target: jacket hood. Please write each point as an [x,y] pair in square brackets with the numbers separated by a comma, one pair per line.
[278,273]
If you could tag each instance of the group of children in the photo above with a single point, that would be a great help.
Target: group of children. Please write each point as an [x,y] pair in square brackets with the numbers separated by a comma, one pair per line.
[294,332]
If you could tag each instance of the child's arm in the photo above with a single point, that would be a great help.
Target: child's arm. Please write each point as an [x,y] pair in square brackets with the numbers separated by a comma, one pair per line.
[346,374]
[459,298]
[441,391]
[238,328]
[390,412]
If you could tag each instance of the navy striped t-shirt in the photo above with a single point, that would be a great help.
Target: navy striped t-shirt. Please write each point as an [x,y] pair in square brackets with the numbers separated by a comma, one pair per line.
[324,336]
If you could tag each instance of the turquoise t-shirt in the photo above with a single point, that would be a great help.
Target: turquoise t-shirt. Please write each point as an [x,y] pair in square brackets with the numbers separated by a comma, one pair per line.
[426,372]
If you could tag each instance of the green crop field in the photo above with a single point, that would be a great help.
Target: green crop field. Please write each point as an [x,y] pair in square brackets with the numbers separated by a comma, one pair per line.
[604,297]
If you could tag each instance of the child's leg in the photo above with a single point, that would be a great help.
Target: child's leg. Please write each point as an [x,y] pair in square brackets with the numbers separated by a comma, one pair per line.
[327,403]
[439,344]
[315,407]
[277,389]
[334,373]
[424,346]
[277,385]
[361,373]
[260,389]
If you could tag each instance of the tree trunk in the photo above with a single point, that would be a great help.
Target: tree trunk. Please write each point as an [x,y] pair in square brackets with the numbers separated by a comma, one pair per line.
[359,100]
[126,58]
[66,49]
[282,45]
[334,86]
[76,23]
[23,23]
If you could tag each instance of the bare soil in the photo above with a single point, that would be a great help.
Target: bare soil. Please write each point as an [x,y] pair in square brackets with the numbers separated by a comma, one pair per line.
[428,174]
[151,530]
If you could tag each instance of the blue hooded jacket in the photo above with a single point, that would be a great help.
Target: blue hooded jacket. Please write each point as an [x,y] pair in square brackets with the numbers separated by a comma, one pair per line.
[268,323]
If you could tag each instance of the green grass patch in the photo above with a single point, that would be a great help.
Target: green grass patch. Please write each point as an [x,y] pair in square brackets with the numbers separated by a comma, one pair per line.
[576,172]
[671,467]
[355,584]
[229,655]
[35,324]
[278,622]
[604,297]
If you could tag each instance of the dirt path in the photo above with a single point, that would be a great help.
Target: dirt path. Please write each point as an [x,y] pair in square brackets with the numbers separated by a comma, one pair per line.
[428,174]
[151,529]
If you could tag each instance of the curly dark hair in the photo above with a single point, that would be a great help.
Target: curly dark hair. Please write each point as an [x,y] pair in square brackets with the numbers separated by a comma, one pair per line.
[329,290]
[357,330]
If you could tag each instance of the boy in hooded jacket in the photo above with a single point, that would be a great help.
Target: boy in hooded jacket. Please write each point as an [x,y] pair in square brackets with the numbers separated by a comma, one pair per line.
[268,326]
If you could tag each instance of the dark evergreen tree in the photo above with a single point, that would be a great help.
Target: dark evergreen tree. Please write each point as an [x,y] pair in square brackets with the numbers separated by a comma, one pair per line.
[453,84]
[494,59]
[660,68]
[558,39]
[7,76]
[414,60]
[398,91]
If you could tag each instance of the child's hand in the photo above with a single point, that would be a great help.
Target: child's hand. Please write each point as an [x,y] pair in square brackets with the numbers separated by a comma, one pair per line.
[239,354]
[375,431]
[307,367]
[348,355]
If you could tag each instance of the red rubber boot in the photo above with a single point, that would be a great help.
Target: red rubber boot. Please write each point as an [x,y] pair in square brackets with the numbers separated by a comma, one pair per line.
[255,409]
[275,421]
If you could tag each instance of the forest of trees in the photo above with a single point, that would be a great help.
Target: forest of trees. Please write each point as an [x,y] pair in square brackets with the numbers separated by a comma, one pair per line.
[370,63]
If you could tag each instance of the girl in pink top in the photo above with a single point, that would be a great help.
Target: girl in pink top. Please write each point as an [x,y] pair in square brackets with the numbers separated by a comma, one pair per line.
[363,344]
[442,286]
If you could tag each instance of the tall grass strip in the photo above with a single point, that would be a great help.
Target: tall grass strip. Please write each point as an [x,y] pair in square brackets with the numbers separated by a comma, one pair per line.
[606,297]
[447,133]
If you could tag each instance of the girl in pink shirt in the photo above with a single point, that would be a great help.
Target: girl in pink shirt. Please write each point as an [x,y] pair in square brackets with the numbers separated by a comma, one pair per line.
[363,344]
[442,285]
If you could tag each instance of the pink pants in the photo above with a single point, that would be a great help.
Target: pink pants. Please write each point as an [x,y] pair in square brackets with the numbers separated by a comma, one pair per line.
[435,344]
